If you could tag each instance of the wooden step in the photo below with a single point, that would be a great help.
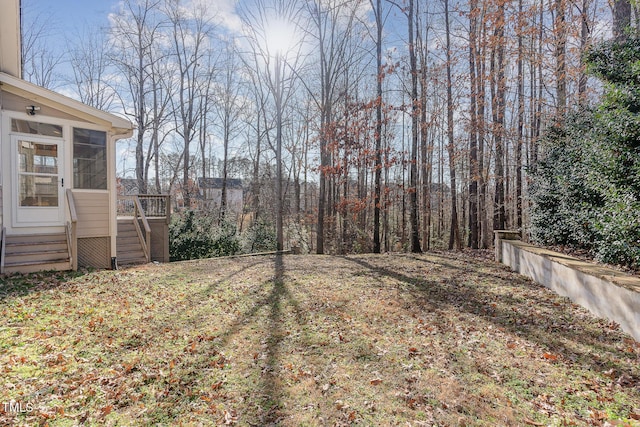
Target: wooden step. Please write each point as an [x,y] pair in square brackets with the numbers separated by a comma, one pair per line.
[17,248]
[36,252]
[128,237]
[43,237]
[37,266]
[132,259]
[126,225]
[127,230]
[11,258]
[123,249]
[128,246]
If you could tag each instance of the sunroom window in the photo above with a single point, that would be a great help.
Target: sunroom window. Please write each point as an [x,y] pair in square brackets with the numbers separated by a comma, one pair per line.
[36,128]
[89,159]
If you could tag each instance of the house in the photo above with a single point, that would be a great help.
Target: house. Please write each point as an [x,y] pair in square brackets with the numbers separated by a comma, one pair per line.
[58,201]
[127,186]
[210,191]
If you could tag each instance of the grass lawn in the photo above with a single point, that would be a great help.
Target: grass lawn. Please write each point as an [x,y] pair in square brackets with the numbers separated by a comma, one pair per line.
[440,339]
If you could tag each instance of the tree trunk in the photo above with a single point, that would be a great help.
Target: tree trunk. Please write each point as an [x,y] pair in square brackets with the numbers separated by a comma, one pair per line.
[454,232]
[520,135]
[561,58]
[473,135]
[378,136]
[621,18]
[498,107]
[413,172]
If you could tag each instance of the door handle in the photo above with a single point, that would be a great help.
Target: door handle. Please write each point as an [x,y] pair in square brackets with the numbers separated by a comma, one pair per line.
[62,182]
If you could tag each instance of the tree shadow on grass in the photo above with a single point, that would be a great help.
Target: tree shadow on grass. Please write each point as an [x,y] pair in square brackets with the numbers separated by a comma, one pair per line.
[18,285]
[267,391]
[549,330]
[213,286]
[270,382]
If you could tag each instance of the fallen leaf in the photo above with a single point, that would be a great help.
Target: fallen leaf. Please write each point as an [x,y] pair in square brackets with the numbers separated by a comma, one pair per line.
[550,356]
[376,381]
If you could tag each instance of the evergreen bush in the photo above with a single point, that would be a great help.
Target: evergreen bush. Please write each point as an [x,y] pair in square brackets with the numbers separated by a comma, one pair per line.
[195,235]
[586,190]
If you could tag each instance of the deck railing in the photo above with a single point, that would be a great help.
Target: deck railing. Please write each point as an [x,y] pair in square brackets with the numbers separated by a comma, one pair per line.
[153,205]
[72,233]
[145,238]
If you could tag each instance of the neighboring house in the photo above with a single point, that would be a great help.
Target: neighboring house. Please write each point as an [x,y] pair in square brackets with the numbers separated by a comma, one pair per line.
[127,186]
[178,196]
[58,170]
[210,190]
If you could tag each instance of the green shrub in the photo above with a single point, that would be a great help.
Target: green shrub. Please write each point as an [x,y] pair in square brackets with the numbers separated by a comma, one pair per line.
[260,237]
[194,235]
[225,240]
[586,190]
[564,201]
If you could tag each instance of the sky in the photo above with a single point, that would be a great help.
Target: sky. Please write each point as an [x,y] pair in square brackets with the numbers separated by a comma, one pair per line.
[69,19]
[67,14]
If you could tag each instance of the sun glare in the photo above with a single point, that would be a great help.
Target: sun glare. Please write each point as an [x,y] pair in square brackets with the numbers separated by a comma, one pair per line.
[280,37]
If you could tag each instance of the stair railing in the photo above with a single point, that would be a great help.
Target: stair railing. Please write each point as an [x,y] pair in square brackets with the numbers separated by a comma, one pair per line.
[72,233]
[2,243]
[145,240]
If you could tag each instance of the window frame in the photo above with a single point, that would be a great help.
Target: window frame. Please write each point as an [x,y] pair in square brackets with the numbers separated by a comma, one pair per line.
[98,164]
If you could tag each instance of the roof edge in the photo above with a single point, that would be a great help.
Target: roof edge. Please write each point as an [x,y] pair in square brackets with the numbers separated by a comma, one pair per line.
[121,125]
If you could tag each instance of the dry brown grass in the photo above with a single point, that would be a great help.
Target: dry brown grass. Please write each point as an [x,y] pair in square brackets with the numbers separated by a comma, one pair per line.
[437,339]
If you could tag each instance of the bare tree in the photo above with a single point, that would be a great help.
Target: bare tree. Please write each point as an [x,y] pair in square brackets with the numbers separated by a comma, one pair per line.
[415,116]
[521,113]
[275,38]
[133,36]
[498,104]
[377,10]
[190,32]
[474,173]
[454,236]
[230,107]
[39,59]
[91,64]
[333,26]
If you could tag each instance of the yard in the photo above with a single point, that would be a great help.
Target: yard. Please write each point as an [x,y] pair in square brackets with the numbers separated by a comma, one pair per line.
[435,339]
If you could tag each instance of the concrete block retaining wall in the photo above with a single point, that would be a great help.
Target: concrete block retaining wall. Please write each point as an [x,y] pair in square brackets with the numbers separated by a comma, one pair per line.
[603,291]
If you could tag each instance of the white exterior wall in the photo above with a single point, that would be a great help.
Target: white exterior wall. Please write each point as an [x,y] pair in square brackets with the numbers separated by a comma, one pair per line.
[10,37]
[234,199]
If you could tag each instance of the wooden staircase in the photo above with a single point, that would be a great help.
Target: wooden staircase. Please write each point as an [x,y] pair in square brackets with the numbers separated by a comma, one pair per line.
[130,249]
[36,252]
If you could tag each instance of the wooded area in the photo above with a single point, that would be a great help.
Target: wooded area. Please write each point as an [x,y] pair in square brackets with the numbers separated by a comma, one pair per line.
[382,125]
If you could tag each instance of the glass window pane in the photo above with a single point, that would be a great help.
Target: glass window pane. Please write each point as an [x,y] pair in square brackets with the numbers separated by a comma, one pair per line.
[38,190]
[37,158]
[89,159]
[88,136]
[36,128]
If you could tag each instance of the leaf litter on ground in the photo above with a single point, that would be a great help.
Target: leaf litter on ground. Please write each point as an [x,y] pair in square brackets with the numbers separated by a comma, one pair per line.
[436,339]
